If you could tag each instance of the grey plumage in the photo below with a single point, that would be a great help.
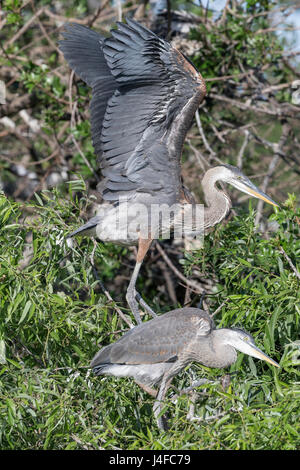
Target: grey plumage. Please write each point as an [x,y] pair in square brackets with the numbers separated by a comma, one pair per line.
[144,96]
[159,341]
[140,88]
[155,351]
[88,228]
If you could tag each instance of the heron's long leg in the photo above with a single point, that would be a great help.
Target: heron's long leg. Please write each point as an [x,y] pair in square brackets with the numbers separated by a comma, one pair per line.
[132,294]
[191,388]
[144,304]
[165,383]
[147,389]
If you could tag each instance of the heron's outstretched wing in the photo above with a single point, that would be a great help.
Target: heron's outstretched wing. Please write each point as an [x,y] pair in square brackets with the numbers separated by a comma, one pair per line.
[153,93]
[83,49]
[158,340]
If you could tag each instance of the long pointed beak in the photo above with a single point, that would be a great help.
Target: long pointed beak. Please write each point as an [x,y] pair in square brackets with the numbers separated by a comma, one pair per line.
[256,352]
[245,185]
[261,195]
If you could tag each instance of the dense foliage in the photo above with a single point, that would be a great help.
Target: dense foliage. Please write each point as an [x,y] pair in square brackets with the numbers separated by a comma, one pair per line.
[53,317]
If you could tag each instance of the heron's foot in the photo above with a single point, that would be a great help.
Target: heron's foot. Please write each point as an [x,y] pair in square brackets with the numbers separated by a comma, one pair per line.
[133,304]
[194,396]
[134,299]
[161,420]
[191,415]
[191,389]
[145,305]
[194,386]
[147,389]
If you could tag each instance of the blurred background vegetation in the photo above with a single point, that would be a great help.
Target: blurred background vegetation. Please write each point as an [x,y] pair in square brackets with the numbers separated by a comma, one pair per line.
[53,314]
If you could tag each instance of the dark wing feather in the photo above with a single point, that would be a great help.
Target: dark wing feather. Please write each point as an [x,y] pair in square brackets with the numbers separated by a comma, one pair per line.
[83,49]
[144,99]
[158,340]
[149,114]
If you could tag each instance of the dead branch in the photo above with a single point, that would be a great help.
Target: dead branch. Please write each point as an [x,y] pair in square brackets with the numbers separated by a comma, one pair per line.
[188,282]
[295,270]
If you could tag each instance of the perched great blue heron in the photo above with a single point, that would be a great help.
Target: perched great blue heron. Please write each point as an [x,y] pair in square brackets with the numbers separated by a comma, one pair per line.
[145,94]
[155,351]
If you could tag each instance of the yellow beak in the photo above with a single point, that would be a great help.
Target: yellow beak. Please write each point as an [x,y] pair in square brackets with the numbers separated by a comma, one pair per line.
[263,196]
[256,352]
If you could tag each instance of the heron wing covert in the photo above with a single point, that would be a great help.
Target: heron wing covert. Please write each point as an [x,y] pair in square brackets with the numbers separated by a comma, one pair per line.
[145,94]
[159,340]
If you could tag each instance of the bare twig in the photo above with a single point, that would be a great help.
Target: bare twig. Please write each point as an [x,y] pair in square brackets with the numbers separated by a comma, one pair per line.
[205,141]
[25,27]
[290,262]
[277,148]
[105,291]
[242,149]
[72,110]
[98,12]
[282,86]
[119,9]
[187,296]
[227,77]
[194,284]
[169,283]
[200,158]
[191,388]
[109,297]
[275,28]
[292,112]
[265,184]
[219,136]
[219,308]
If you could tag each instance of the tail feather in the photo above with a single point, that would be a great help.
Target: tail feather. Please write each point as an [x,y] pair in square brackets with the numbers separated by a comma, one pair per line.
[101,369]
[147,374]
[88,229]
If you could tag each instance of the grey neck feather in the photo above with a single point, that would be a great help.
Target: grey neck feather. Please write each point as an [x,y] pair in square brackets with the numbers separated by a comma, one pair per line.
[218,202]
[213,350]
[224,354]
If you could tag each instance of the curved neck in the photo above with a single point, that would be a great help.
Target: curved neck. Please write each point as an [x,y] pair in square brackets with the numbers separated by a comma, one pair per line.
[218,202]
[213,350]
[224,354]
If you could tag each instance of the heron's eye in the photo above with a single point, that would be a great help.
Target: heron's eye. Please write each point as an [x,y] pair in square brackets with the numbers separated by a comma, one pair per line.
[246,338]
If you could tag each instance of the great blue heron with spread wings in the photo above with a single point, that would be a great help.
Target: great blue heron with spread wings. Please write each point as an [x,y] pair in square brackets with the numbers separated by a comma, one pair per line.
[144,96]
[155,351]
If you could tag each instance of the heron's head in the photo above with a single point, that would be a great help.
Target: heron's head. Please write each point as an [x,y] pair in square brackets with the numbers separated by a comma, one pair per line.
[244,342]
[232,175]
